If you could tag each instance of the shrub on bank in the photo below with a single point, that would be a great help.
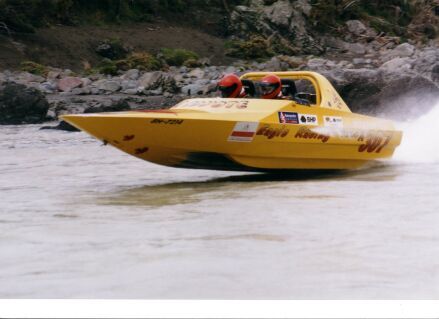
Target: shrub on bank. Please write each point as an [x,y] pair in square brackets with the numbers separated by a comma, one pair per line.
[34,68]
[177,57]
[139,60]
[112,49]
[254,48]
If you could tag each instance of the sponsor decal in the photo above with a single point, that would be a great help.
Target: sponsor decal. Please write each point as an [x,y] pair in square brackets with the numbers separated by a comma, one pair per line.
[215,103]
[306,133]
[243,132]
[167,121]
[271,132]
[336,100]
[288,117]
[308,119]
[374,142]
[333,121]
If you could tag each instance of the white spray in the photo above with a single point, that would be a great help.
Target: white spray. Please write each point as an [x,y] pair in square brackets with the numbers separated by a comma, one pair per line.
[420,141]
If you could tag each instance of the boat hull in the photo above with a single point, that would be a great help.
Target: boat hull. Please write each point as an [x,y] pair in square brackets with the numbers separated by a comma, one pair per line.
[181,138]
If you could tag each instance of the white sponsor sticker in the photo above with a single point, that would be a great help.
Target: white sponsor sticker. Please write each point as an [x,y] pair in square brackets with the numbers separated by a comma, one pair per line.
[333,121]
[308,119]
[243,132]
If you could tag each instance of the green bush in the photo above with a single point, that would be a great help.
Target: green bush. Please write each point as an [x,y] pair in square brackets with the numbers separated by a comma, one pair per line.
[112,49]
[177,57]
[255,48]
[106,66]
[34,68]
[192,63]
[139,60]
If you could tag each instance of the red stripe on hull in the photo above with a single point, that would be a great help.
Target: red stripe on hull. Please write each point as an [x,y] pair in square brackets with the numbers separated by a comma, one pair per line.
[243,134]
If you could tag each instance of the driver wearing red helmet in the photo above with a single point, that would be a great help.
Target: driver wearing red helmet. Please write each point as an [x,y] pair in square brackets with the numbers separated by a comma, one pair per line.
[230,86]
[271,87]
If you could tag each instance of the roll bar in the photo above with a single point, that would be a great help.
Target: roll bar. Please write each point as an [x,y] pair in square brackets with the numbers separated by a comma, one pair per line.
[326,95]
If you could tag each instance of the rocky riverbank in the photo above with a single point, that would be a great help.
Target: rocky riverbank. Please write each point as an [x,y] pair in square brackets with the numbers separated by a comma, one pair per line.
[393,81]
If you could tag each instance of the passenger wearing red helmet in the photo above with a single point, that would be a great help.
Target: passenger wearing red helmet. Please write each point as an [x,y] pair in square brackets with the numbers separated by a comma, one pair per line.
[231,86]
[271,87]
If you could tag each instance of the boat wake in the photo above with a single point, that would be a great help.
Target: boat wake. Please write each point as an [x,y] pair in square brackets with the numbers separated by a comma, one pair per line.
[420,141]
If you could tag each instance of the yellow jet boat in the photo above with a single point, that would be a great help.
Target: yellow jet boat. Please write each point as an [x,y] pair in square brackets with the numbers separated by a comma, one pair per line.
[313,131]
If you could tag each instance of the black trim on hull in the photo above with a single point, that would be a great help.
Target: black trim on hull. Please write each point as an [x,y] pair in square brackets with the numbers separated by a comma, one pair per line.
[221,162]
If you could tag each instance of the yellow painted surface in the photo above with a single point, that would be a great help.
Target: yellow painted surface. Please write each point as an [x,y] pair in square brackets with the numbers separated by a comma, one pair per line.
[197,132]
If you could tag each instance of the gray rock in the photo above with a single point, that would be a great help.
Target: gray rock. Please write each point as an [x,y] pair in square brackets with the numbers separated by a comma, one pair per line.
[77,91]
[109,86]
[356,27]
[196,73]
[20,104]
[132,91]
[150,80]
[108,106]
[154,80]
[94,90]
[158,91]
[230,69]
[132,74]
[128,84]
[86,82]
[357,61]
[335,43]
[435,73]
[53,75]
[47,87]
[26,77]
[356,48]
[69,83]
[51,115]
[401,51]
[397,64]
[193,89]
[316,63]
[279,13]
[392,94]
[426,60]
[274,64]
[303,6]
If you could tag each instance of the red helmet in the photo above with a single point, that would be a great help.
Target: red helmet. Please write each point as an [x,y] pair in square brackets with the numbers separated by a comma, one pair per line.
[230,86]
[270,86]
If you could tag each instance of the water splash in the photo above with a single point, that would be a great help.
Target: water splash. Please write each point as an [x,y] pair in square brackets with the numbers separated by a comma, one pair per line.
[420,141]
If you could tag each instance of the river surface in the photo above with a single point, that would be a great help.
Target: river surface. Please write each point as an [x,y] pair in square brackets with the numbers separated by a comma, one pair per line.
[80,220]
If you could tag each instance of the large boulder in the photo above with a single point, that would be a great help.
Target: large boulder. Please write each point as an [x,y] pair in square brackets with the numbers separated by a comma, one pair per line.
[158,80]
[21,105]
[69,83]
[283,23]
[356,27]
[397,94]
[403,50]
[279,13]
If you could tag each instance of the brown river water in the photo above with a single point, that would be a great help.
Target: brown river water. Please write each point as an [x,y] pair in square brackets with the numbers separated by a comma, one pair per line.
[80,220]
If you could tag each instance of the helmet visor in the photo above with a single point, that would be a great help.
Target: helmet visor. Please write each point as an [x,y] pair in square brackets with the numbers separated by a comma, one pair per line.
[267,88]
[227,91]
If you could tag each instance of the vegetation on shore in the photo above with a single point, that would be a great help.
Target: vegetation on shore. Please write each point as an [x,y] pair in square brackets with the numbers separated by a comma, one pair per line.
[27,15]
[252,36]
